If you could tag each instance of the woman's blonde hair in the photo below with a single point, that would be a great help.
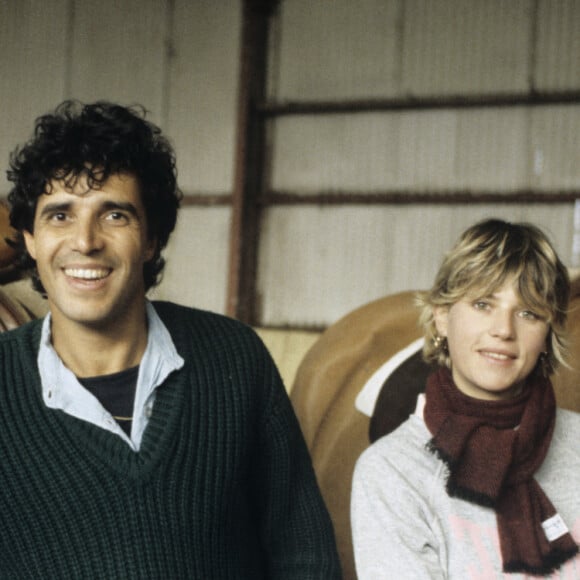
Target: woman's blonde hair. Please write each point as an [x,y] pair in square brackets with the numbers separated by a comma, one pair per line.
[488,254]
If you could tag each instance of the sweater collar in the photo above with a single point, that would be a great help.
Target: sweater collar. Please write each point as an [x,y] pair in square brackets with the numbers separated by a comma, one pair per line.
[61,389]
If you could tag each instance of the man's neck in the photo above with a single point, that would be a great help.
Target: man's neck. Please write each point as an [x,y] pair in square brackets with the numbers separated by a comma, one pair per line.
[91,352]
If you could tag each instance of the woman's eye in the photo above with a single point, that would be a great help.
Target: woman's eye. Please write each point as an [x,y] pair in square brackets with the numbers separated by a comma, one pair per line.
[480,304]
[529,315]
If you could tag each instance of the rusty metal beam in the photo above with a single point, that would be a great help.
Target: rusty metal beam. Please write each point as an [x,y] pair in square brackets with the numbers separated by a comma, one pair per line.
[447,197]
[409,103]
[249,161]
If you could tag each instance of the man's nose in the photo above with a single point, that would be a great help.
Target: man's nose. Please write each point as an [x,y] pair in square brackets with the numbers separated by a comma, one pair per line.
[87,236]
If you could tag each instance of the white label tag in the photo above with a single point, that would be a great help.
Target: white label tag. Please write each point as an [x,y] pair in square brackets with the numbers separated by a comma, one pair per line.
[554,527]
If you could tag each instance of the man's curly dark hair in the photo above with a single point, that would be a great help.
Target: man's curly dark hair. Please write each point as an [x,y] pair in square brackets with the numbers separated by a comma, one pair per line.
[95,141]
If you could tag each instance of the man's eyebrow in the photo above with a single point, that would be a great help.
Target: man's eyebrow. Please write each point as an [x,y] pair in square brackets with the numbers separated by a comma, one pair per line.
[55,207]
[122,206]
[51,208]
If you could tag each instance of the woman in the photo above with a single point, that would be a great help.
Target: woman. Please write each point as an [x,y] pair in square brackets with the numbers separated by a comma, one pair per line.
[482,481]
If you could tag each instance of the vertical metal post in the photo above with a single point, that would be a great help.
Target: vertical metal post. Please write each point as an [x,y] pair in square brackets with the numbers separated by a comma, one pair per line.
[249,162]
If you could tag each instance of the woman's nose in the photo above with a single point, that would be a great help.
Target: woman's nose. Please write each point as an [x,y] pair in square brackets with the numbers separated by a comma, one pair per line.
[502,325]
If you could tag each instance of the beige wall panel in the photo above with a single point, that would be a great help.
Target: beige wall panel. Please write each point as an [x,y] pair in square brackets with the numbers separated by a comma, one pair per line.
[376,48]
[336,49]
[334,152]
[458,47]
[197,259]
[288,349]
[317,264]
[471,149]
[203,92]
[556,147]
[558,45]
[492,149]
[118,52]
[427,149]
[33,39]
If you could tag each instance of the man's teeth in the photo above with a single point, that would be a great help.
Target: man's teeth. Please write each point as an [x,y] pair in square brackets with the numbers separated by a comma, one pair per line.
[86,274]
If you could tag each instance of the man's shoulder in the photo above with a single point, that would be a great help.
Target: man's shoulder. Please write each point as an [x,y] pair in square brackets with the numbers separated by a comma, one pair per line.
[25,332]
[213,339]
[179,318]
[176,312]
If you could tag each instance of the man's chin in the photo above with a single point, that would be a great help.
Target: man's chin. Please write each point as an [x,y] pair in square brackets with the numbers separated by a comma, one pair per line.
[85,317]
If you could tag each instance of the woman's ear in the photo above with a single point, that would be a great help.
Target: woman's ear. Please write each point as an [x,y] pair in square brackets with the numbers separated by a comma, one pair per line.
[440,316]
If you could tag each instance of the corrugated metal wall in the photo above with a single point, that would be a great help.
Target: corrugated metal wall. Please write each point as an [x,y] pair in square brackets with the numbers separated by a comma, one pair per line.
[177,58]
[318,262]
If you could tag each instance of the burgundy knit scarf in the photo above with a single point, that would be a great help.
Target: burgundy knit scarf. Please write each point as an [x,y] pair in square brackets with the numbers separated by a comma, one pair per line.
[492,463]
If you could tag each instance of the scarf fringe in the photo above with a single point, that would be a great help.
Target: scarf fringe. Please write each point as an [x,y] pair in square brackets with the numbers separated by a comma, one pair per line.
[454,490]
[446,458]
[469,495]
[550,564]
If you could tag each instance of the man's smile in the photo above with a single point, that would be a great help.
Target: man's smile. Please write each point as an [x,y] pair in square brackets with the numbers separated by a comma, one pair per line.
[87,273]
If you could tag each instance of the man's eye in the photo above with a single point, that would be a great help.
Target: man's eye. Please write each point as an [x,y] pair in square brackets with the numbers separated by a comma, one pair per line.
[59,216]
[116,216]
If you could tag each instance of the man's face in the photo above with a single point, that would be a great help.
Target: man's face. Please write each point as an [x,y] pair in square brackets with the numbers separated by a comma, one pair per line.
[90,246]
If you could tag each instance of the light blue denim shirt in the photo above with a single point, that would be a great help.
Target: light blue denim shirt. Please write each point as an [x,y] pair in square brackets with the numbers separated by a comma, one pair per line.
[61,389]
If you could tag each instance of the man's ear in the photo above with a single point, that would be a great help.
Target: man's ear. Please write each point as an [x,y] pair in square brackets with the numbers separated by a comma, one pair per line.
[151,249]
[29,243]
[440,316]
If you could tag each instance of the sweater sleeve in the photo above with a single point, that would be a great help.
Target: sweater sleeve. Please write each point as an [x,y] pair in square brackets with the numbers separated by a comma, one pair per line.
[296,528]
[394,534]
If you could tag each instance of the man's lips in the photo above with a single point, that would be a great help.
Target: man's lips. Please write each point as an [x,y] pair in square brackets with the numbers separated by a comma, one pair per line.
[87,273]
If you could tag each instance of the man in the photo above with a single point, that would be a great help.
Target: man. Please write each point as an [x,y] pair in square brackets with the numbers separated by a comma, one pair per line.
[138,440]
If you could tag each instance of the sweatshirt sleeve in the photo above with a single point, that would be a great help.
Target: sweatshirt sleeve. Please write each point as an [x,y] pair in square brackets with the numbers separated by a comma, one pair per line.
[394,533]
[296,527]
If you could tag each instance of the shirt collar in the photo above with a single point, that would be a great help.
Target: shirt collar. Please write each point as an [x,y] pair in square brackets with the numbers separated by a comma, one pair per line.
[61,389]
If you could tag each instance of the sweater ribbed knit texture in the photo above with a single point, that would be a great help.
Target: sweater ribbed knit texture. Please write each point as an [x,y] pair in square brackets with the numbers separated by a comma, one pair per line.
[222,487]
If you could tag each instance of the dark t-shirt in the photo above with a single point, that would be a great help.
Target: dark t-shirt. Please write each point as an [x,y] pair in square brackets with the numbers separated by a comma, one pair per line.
[116,393]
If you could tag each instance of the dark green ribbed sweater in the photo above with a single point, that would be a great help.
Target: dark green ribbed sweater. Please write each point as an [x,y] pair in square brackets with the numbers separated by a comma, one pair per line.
[222,486]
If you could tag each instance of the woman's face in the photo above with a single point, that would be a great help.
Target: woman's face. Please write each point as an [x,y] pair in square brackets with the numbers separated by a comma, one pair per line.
[494,342]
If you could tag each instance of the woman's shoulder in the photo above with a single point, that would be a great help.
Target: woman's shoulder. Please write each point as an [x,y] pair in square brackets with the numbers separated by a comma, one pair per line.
[564,452]
[567,424]
[413,432]
[403,450]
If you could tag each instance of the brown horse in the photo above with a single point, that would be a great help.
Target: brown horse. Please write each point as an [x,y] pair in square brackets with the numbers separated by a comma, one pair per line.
[12,311]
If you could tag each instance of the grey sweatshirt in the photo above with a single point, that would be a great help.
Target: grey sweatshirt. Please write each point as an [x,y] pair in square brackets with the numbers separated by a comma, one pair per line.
[406,526]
